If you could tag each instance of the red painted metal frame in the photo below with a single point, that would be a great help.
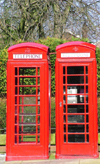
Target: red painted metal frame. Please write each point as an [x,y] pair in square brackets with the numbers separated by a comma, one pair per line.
[28,150]
[72,149]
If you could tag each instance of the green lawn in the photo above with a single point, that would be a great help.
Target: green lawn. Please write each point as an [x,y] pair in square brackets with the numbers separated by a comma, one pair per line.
[2,139]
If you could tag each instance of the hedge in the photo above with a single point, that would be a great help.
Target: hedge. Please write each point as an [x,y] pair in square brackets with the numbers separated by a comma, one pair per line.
[52,43]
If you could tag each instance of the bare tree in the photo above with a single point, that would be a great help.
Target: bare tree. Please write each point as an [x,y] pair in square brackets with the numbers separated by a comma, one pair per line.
[33,19]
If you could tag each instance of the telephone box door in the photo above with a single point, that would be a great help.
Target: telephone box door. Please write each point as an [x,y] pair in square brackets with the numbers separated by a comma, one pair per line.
[76,110]
[27,110]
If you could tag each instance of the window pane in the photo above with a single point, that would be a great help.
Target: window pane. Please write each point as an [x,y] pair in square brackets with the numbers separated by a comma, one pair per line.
[76,118]
[75,80]
[75,70]
[76,138]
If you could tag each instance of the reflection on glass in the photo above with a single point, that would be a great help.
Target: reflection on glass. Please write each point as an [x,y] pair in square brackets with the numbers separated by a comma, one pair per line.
[27,100]
[27,129]
[75,70]
[76,128]
[27,109]
[27,138]
[27,119]
[75,118]
[76,138]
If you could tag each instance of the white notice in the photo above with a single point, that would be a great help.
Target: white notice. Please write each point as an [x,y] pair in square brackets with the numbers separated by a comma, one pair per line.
[27,56]
[64,55]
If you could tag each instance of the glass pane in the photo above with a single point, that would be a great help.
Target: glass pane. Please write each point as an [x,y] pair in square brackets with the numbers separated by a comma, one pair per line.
[64,137]
[87,118]
[38,100]
[38,71]
[64,89]
[27,80]
[64,70]
[38,119]
[86,69]
[27,129]
[86,79]
[86,89]
[64,128]
[76,128]
[86,98]
[87,128]
[27,139]
[72,99]
[27,71]
[75,118]
[76,138]
[27,90]
[75,80]
[38,109]
[64,99]
[38,80]
[64,108]
[38,129]
[38,139]
[27,119]
[15,71]
[75,70]
[27,100]
[87,110]
[87,136]
[38,90]
[64,118]
[27,109]
[64,80]
[75,108]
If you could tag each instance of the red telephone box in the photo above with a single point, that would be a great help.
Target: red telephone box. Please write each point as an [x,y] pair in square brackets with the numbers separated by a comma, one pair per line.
[28,102]
[76,101]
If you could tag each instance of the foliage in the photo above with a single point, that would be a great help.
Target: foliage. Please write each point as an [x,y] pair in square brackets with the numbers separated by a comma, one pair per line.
[51,43]
[2,113]
[3,61]
[98,69]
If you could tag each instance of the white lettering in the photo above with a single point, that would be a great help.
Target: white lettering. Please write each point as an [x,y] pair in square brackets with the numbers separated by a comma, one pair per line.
[64,55]
[27,56]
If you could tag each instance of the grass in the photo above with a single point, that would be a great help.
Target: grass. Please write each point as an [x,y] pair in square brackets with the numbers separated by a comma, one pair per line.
[2,139]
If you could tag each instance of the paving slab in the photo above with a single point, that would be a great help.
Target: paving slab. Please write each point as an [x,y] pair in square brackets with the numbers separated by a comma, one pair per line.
[90,161]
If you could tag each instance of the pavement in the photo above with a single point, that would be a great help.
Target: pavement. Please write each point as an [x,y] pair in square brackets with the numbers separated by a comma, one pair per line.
[49,161]
[53,161]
